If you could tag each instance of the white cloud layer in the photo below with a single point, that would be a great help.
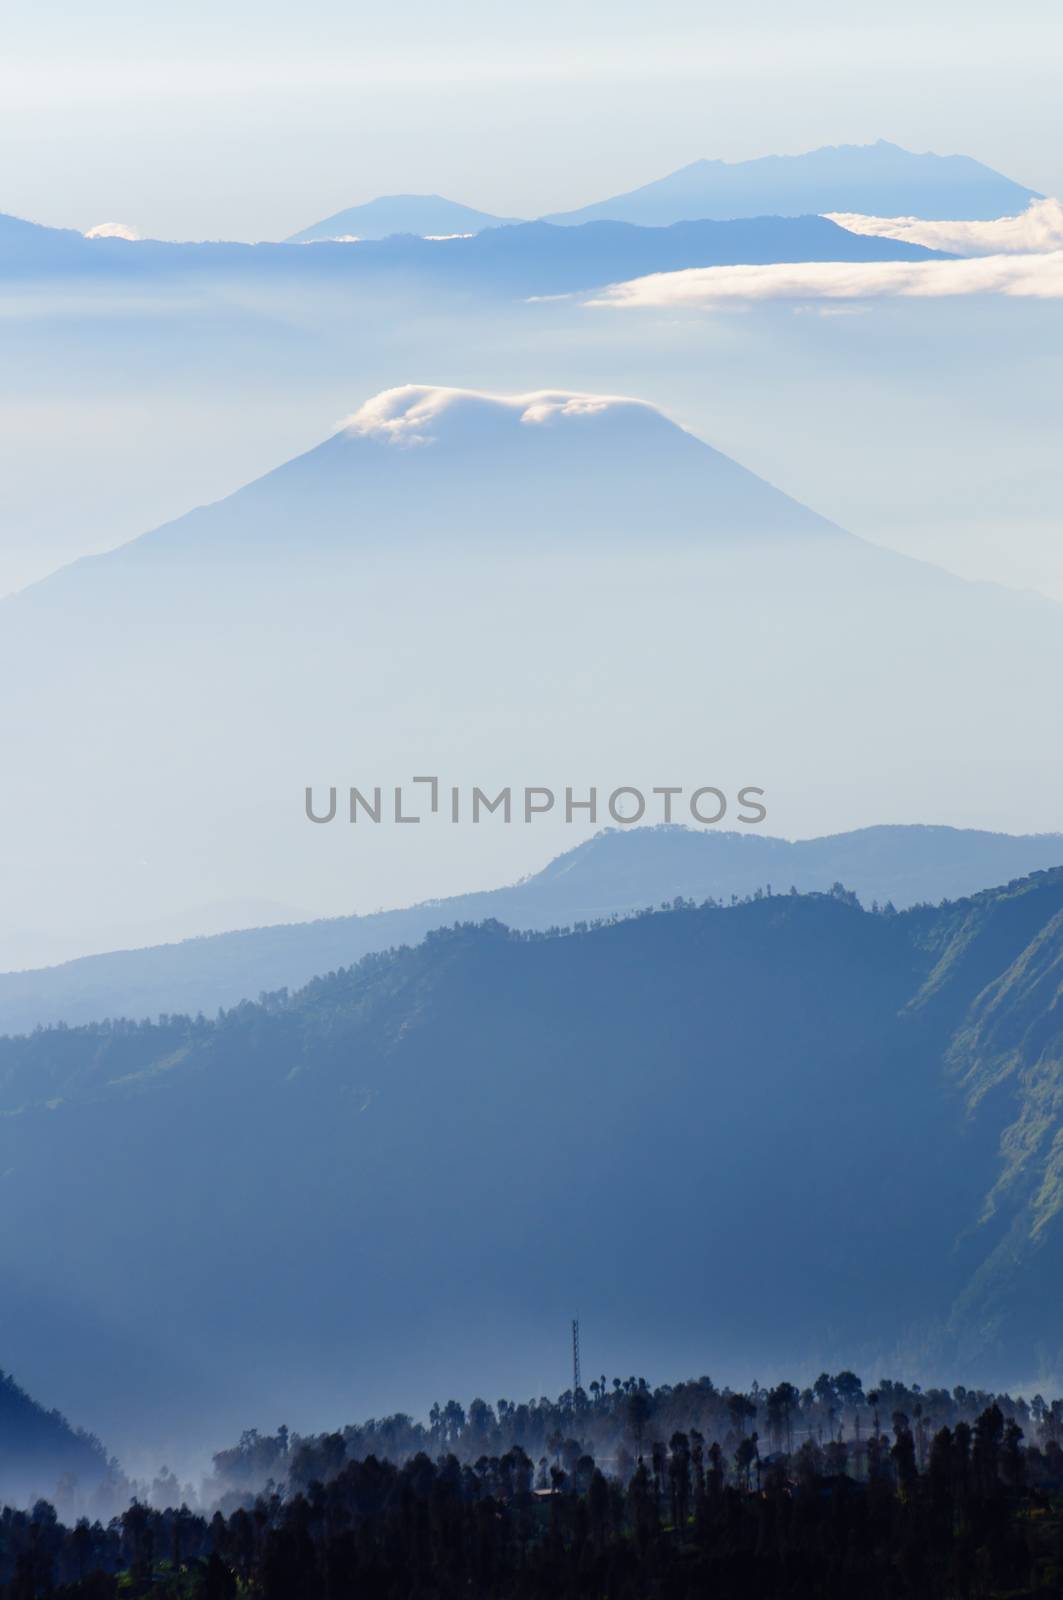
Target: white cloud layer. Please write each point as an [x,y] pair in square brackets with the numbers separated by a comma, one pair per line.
[420,414]
[1035,276]
[1038,230]
[112,230]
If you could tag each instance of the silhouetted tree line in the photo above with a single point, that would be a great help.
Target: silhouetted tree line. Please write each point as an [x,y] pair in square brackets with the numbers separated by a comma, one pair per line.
[616,1421]
[793,1501]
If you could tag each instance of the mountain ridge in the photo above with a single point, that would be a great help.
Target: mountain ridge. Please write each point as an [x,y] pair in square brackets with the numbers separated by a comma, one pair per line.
[526,260]
[617,872]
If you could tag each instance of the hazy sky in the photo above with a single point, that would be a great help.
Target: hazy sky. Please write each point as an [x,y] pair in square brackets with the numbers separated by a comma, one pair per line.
[253,119]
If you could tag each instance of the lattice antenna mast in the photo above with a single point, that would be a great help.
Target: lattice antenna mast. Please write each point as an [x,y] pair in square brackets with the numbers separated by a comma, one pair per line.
[575,1355]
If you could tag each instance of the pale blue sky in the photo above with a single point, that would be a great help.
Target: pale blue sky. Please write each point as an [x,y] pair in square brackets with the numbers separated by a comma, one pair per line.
[253,119]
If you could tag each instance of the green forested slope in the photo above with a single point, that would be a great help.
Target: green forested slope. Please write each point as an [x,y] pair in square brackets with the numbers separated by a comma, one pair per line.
[789,1129]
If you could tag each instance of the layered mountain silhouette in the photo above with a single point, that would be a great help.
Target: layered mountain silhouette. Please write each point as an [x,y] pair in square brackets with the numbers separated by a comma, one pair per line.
[528,259]
[422,214]
[785,1135]
[549,588]
[878,179]
[616,873]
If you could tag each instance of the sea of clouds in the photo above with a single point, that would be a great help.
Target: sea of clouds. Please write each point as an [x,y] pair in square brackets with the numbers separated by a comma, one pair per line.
[1020,256]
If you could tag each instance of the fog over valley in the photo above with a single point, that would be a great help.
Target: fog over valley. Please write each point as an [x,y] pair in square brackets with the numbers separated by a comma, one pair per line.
[531,861]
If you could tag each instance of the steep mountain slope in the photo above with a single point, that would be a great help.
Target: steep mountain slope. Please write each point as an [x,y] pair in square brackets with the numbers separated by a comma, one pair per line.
[739,1139]
[423,214]
[549,588]
[618,871]
[39,1449]
[877,179]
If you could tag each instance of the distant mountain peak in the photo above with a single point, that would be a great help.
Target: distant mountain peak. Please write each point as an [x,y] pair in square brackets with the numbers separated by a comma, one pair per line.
[921,184]
[427,215]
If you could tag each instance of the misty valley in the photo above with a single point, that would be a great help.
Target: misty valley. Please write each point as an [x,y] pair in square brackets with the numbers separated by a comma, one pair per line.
[615,1488]
[461,1138]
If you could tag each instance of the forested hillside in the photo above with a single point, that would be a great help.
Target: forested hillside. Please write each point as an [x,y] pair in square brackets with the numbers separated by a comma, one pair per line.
[780,1133]
[40,1451]
[618,870]
[815,1494]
